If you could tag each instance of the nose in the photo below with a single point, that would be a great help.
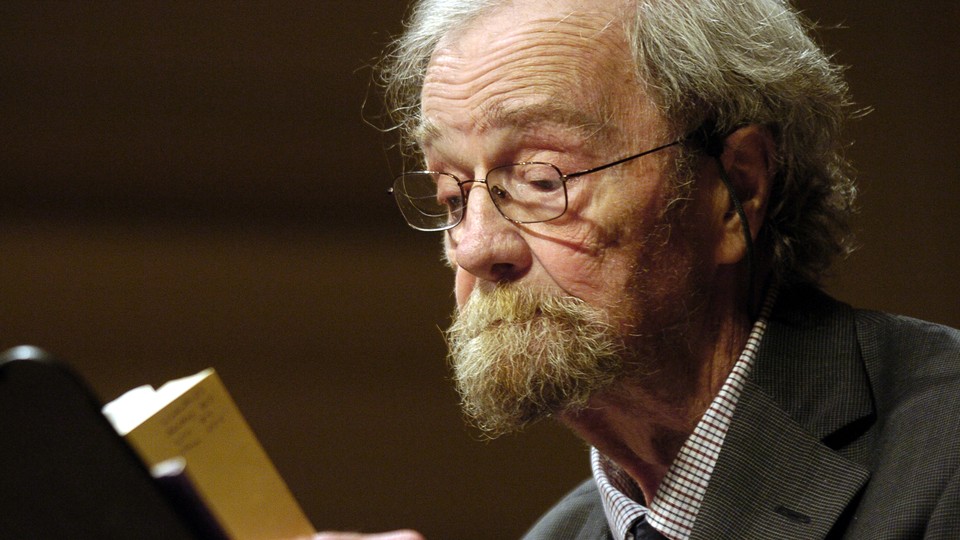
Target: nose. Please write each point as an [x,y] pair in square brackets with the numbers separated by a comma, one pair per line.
[487,245]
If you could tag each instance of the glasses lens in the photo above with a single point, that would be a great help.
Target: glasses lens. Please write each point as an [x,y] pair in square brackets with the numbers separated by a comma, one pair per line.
[429,201]
[528,192]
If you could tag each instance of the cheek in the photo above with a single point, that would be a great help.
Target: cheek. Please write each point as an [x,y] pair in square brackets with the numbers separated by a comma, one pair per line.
[595,250]
[608,244]
[583,265]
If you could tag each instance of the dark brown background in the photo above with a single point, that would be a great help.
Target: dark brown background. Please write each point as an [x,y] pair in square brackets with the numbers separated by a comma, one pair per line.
[188,184]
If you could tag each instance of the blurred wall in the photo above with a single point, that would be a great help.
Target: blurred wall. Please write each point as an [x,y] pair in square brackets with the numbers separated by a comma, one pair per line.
[188,184]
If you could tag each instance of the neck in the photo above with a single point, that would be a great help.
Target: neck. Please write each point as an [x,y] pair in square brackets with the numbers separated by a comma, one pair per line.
[642,423]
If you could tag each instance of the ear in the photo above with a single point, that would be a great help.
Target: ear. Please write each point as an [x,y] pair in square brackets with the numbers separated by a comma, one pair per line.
[749,160]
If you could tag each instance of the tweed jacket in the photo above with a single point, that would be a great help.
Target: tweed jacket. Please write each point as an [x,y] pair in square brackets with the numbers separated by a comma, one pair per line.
[849,427]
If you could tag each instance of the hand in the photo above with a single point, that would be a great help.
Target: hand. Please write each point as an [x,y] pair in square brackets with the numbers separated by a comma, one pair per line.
[394,535]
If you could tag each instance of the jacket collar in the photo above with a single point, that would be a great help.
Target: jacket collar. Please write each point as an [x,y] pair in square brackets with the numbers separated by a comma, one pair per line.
[784,471]
[810,363]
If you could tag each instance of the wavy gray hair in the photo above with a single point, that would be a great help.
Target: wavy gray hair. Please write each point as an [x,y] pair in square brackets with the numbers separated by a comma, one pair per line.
[728,63]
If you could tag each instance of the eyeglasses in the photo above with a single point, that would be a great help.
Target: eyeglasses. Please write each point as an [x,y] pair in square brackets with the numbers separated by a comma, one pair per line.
[526,192]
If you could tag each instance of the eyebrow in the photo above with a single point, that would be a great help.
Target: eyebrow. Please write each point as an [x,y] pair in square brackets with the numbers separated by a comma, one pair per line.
[593,127]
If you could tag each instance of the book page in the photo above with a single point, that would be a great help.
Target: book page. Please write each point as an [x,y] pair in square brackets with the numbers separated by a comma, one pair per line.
[135,406]
[229,468]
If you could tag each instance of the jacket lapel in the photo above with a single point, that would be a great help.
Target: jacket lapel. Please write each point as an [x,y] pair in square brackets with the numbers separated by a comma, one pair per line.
[789,465]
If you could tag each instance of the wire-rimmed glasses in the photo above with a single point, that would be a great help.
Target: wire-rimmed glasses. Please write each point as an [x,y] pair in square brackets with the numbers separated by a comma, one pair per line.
[525,192]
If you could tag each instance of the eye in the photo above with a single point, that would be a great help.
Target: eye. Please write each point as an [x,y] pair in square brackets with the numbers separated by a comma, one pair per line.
[537,178]
[453,202]
[449,195]
[498,192]
[546,185]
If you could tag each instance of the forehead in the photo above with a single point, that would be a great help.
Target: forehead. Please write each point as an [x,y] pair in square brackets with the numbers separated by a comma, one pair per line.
[531,65]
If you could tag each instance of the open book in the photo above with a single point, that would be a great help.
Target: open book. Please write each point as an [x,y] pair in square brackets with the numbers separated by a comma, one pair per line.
[192,427]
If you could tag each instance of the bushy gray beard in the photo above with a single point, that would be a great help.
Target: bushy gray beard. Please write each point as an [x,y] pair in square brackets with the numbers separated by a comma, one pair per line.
[519,356]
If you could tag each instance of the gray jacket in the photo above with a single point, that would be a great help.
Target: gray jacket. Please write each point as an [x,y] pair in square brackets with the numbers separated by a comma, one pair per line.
[848,428]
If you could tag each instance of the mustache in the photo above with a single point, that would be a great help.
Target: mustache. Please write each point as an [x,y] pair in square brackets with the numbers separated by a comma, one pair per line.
[510,304]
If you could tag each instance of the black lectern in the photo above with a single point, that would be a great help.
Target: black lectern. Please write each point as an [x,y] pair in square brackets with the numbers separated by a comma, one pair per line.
[64,472]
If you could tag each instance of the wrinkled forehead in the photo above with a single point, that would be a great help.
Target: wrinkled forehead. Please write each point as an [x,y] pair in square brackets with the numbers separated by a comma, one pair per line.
[526,64]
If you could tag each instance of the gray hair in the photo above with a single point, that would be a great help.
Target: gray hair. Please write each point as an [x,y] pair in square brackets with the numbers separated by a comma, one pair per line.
[718,61]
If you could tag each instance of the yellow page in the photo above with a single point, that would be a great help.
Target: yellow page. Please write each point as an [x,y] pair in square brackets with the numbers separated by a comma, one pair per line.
[226,463]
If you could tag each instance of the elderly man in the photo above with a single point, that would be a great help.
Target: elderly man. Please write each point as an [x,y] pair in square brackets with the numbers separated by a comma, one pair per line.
[638,199]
